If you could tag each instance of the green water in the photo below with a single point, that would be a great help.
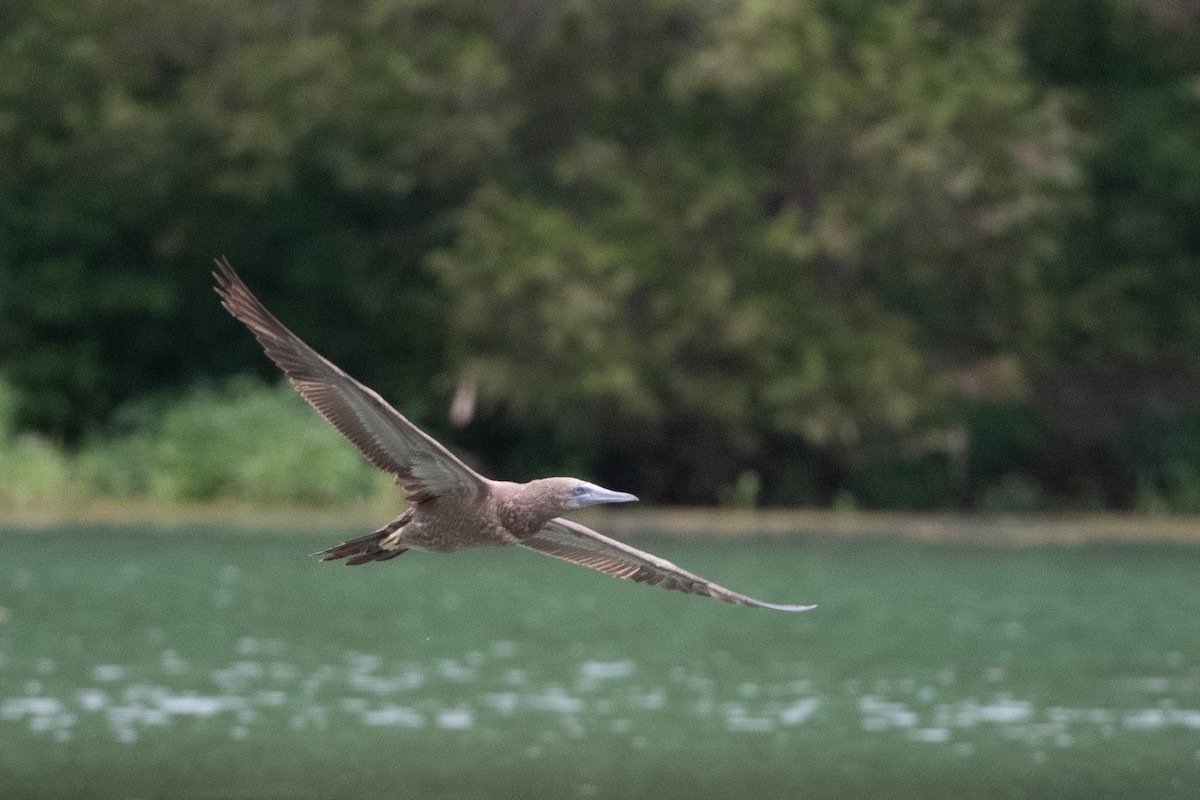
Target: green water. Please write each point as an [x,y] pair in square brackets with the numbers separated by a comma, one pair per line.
[203,663]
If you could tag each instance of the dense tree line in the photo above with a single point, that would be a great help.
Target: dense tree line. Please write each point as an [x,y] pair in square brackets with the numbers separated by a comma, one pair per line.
[903,254]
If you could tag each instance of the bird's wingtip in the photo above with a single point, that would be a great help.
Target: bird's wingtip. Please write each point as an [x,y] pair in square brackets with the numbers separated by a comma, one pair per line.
[794,609]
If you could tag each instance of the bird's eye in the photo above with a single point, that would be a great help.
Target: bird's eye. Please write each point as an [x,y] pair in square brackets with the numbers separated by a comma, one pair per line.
[579,490]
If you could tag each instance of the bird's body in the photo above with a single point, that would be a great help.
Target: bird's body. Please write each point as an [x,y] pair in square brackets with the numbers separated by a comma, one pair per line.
[452,507]
[505,514]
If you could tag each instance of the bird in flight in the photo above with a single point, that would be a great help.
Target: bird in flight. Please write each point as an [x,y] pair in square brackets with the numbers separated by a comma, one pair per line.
[451,506]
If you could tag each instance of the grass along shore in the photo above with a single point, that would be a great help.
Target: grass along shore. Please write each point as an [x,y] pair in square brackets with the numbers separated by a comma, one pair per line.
[998,529]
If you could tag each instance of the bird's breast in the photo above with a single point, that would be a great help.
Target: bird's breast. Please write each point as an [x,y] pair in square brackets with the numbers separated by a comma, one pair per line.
[445,533]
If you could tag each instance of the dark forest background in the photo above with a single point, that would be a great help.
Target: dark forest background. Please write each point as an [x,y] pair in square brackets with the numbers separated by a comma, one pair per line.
[924,255]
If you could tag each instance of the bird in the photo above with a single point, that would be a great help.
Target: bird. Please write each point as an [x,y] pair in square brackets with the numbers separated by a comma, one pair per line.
[451,506]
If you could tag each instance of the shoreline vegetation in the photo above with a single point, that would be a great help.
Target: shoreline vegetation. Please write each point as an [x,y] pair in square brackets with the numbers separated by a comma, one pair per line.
[255,456]
[243,441]
[871,255]
[1069,528]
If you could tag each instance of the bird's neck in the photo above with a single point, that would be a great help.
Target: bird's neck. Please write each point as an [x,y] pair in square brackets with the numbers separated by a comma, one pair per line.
[524,509]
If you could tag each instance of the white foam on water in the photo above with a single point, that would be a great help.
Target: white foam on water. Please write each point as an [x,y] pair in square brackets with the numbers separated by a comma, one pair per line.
[573,726]
[155,716]
[1006,711]
[455,672]
[653,700]
[393,715]
[17,707]
[503,702]
[237,676]
[592,673]
[800,711]
[363,662]
[1146,719]
[1185,718]
[582,696]
[377,684]
[313,715]
[455,719]
[106,673]
[930,735]
[504,649]
[880,714]
[92,699]
[743,724]
[554,699]
[194,705]
[172,664]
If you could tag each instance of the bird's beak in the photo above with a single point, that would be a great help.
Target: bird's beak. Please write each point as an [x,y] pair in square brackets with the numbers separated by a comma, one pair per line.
[594,494]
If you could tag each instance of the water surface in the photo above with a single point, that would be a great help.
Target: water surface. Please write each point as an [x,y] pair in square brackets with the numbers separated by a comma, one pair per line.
[200,662]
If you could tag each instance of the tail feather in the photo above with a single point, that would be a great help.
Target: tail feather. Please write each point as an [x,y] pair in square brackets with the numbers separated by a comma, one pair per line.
[365,549]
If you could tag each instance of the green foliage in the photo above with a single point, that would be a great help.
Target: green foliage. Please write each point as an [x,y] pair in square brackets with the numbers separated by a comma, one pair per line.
[1003,439]
[923,483]
[243,441]
[1125,287]
[36,474]
[138,141]
[1162,449]
[656,239]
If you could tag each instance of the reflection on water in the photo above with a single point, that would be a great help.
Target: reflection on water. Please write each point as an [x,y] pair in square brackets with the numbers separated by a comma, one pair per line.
[481,691]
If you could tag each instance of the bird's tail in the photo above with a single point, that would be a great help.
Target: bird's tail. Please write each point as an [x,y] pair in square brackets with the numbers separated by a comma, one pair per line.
[365,549]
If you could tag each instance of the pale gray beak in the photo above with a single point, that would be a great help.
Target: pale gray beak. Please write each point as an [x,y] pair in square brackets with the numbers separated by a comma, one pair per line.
[589,494]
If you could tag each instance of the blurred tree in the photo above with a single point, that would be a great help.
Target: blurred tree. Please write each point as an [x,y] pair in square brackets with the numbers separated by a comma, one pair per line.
[749,250]
[318,144]
[1128,284]
[780,221]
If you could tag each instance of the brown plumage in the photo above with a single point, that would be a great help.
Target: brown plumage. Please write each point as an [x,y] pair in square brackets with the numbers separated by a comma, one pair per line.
[450,505]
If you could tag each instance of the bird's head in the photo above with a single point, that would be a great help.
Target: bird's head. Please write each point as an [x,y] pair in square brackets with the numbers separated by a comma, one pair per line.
[567,494]
[583,494]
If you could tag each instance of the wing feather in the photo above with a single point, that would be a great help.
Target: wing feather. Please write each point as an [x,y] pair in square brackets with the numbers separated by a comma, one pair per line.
[422,466]
[570,541]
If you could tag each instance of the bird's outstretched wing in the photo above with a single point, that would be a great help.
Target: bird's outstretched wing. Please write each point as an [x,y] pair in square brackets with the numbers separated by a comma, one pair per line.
[423,467]
[578,544]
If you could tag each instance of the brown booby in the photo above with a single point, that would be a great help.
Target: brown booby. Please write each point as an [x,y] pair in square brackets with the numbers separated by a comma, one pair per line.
[451,506]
